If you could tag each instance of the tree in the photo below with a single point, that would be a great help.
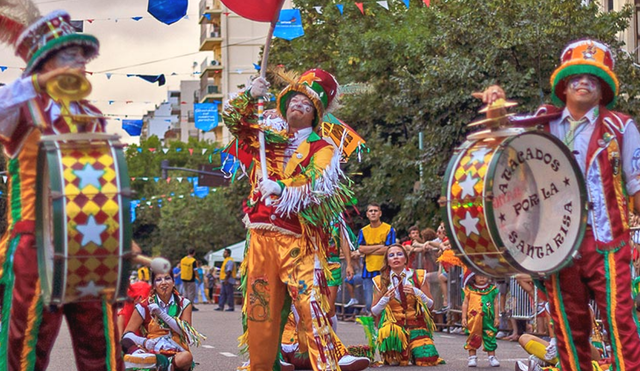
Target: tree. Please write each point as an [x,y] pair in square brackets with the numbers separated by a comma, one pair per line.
[423,63]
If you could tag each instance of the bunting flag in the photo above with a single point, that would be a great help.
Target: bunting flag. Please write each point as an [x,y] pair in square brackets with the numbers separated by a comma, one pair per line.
[289,25]
[132,127]
[160,79]
[384,4]
[406,3]
[361,7]
[427,2]
[340,8]
[168,11]
[318,9]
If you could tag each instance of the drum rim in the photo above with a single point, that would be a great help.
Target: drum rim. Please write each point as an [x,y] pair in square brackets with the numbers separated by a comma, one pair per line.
[490,216]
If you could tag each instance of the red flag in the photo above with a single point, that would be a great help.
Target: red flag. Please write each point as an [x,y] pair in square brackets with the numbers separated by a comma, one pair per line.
[426,2]
[255,10]
[360,6]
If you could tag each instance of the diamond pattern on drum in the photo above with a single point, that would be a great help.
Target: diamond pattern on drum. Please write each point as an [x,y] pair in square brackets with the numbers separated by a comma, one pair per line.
[472,167]
[97,263]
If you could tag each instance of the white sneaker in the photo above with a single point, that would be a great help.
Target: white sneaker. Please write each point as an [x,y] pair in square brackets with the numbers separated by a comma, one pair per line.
[493,361]
[351,363]
[501,334]
[473,361]
[352,301]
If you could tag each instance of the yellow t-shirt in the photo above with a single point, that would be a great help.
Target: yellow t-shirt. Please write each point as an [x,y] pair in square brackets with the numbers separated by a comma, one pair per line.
[187,265]
[375,236]
[143,274]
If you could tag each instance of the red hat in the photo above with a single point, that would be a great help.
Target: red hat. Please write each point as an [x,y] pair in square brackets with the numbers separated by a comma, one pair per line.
[466,277]
[318,85]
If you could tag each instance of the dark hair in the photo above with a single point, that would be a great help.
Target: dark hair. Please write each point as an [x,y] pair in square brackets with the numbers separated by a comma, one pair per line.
[192,251]
[228,251]
[374,204]
[414,228]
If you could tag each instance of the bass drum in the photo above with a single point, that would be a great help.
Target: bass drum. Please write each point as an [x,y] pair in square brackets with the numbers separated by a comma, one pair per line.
[83,218]
[515,203]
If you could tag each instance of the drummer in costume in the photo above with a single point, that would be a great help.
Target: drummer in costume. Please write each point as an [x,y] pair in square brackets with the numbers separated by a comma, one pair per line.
[402,303]
[289,216]
[606,145]
[50,46]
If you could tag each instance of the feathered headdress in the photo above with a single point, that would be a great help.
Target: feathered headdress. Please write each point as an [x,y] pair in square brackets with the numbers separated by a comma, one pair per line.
[36,38]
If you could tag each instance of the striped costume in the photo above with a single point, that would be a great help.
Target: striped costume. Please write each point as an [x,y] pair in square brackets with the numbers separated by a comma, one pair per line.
[28,328]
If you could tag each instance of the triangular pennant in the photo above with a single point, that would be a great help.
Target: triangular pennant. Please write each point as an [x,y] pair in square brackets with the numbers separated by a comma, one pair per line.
[90,20]
[179,179]
[406,3]
[156,179]
[340,8]
[111,102]
[133,178]
[152,149]
[361,7]
[145,178]
[165,150]
[178,149]
[318,9]
[384,4]
[4,179]
[191,151]
[207,16]
[204,150]
[108,75]
[3,68]
[427,2]
[135,18]
[140,150]
[168,179]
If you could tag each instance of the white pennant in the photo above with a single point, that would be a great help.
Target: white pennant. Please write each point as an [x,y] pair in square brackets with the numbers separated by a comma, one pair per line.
[145,178]
[165,150]
[204,150]
[179,179]
[384,4]
[4,179]
[318,9]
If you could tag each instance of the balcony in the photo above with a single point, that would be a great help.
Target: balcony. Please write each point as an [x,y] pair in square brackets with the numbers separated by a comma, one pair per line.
[209,10]
[210,68]
[210,93]
[210,37]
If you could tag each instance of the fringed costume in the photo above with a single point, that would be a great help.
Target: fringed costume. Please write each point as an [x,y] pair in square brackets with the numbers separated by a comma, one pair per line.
[287,239]
[481,317]
[405,327]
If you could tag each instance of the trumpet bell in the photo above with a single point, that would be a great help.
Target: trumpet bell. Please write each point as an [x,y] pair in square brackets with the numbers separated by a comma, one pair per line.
[70,87]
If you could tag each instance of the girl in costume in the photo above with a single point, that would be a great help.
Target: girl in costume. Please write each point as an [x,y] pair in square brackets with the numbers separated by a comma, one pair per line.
[164,319]
[479,317]
[401,303]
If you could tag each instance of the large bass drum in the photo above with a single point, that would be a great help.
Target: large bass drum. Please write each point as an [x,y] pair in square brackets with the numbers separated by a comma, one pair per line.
[515,203]
[83,219]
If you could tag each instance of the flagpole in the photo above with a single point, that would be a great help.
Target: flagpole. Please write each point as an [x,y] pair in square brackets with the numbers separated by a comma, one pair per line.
[263,73]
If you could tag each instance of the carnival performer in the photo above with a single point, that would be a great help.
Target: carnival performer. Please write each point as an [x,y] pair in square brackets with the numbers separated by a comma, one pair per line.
[50,46]
[295,350]
[164,318]
[402,302]
[479,317]
[606,146]
[289,215]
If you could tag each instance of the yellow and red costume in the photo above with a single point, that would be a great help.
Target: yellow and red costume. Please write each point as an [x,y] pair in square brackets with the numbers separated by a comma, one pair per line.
[405,327]
[481,315]
[286,259]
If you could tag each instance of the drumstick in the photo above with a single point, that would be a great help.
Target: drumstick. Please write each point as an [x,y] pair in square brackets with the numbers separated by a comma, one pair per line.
[481,253]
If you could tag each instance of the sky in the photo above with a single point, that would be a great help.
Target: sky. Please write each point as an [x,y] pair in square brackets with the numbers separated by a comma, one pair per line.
[127,47]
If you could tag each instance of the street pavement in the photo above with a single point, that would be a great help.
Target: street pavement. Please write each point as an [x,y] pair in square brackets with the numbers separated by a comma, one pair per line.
[220,352]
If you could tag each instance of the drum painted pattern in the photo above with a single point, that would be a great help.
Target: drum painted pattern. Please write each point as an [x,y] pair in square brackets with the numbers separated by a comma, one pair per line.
[515,204]
[90,223]
[466,211]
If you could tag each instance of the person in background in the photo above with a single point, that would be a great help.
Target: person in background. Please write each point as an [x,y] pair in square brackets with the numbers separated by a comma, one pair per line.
[200,284]
[211,284]
[373,242]
[177,278]
[143,274]
[188,266]
[227,282]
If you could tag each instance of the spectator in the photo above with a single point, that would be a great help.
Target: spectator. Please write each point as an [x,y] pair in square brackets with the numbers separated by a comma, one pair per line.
[227,281]
[143,274]
[415,248]
[200,284]
[211,284]
[350,284]
[177,278]
[373,241]
[188,266]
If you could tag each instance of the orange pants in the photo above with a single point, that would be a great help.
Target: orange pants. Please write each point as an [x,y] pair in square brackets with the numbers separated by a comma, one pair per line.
[277,272]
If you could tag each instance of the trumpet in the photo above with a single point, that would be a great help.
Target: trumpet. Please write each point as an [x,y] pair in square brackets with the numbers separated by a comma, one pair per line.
[68,87]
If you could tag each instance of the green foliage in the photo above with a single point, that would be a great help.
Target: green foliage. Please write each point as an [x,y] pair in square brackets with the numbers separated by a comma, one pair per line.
[423,63]
[171,220]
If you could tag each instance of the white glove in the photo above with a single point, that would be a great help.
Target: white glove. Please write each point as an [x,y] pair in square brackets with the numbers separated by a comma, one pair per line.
[269,187]
[154,309]
[425,299]
[552,350]
[259,88]
[379,307]
[162,343]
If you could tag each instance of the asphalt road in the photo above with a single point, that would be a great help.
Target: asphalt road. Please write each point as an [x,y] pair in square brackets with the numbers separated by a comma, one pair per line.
[220,352]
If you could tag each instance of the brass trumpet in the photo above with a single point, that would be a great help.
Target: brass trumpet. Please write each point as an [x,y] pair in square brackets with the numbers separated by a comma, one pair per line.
[68,87]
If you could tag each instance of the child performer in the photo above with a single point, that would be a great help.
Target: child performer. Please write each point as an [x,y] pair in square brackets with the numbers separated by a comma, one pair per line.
[479,317]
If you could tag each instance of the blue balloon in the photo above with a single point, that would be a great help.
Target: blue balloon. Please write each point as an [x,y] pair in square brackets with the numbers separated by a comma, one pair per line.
[168,11]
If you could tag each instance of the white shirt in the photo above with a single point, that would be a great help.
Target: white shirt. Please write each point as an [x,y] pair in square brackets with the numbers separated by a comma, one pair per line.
[299,137]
